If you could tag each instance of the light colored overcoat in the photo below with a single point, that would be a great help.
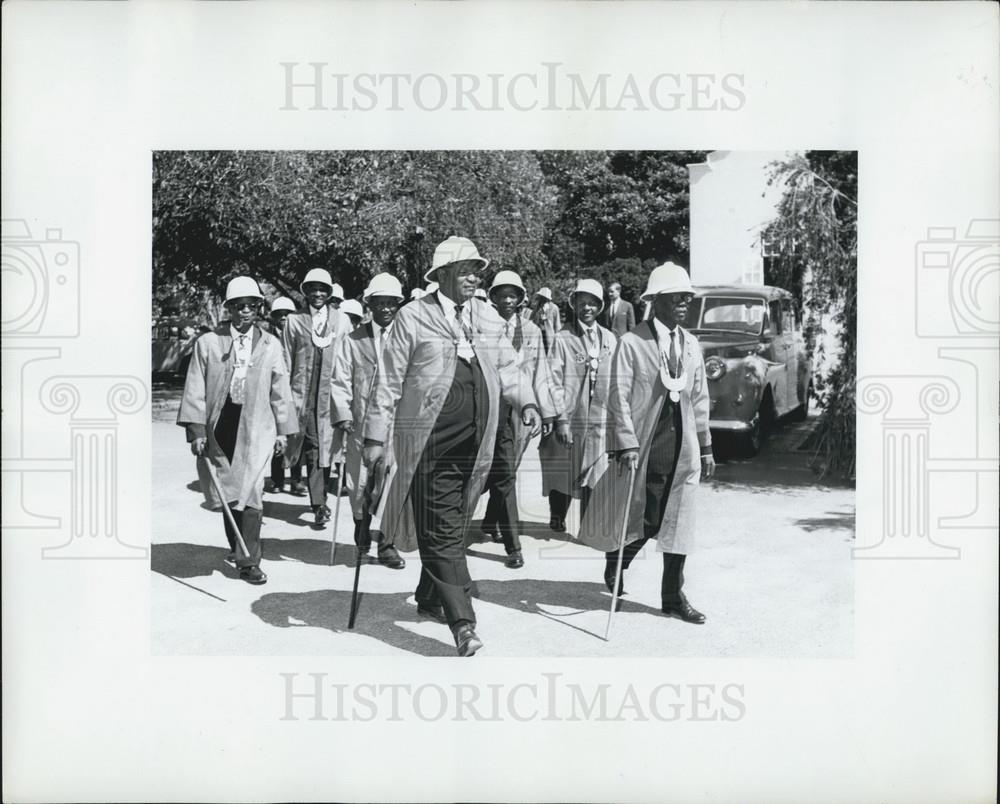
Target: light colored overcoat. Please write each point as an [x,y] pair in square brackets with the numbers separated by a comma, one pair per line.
[267,412]
[636,397]
[297,340]
[418,369]
[562,468]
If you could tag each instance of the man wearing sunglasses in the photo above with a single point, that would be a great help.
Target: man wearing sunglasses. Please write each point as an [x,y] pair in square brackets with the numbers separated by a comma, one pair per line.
[657,425]
[237,410]
[445,370]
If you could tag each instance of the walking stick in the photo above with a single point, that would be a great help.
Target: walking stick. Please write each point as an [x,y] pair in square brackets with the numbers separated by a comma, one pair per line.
[621,553]
[336,507]
[225,507]
[376,520]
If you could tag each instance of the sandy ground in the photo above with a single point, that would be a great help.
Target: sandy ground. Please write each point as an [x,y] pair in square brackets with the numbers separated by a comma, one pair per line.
[773,575]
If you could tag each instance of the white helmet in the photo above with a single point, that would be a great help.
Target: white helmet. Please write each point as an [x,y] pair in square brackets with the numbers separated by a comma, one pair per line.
[455,249]
[508,278]
[243,287]
[545,293]
[431,287]
[320,275]
[336,291]
[667,278]
[384,285]
[282,303]
[352,307]
[416,293]
[479,293]
[591,286]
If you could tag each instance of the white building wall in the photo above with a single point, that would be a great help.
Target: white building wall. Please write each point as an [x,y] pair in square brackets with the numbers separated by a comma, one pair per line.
[731,204]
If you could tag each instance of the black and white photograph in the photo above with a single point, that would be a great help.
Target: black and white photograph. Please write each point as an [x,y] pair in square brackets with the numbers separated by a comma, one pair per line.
[475,383]
[646,353]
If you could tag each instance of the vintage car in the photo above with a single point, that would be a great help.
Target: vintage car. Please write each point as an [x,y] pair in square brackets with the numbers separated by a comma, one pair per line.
[755,358]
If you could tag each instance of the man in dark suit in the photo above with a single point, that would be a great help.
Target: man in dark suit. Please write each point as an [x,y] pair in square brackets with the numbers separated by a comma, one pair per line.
[618,316]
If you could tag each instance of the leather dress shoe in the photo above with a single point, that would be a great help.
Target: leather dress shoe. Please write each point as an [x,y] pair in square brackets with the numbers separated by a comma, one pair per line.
[298,489]
[435,613]
[515,560]
[253,575]
[683,610]
[388,557]
[273,488]
[466,641]
[557,523]
[609,581]
[321,514]
[230,559]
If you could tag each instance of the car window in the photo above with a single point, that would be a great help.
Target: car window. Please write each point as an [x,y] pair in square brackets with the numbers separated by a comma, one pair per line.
[774,318]
[787,316]
[732,315]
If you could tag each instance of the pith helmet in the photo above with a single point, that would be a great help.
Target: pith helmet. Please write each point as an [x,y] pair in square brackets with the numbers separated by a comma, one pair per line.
[320,275]
[384,285]
[283,303]
[416,293]
[243,287]
[667,278]
[508,278]
[545,293]
[480,294]
[352,307]
[591,286]
[455,249]
[431,287]
[336,291]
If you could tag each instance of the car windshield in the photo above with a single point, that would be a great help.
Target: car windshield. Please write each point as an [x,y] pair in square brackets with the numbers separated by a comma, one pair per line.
[727,314]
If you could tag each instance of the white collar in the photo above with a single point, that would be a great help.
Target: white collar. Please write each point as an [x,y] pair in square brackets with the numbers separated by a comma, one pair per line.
[664,332]
[323,313]
[447,304]
[235,333]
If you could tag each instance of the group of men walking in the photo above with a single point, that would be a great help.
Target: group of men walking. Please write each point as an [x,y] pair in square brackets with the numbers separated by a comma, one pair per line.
[434,402]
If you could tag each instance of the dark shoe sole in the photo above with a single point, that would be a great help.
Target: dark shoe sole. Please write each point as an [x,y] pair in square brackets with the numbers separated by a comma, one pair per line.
[678,616]
[470,646]
[397,564]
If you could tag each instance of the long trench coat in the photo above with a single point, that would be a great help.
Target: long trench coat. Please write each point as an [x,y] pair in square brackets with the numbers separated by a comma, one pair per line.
[562,468]
[267,413]
[536,373]
[418,369]
[353,383]
[297,340]
[636,397]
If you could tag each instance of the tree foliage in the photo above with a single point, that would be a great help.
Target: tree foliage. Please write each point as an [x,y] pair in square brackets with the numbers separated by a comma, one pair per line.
[816,230]
[552,216]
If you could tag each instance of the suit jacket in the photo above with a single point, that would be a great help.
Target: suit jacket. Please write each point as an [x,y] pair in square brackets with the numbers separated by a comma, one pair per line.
[267,412]
[622,321]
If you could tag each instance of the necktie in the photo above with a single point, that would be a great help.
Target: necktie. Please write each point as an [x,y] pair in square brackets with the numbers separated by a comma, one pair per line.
[591,340]
[381,340]
[672,357]
[461,322]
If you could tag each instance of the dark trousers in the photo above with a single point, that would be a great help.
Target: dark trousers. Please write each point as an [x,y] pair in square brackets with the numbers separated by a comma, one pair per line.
[660,467]
[362,532]
[317,476]
[501,510]
[248,520]
[438,495]
[559,503]
[278,471]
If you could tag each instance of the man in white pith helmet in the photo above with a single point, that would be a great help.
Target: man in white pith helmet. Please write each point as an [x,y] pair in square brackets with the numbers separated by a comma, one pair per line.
[657,424]
[502,518]
[359,359]
[311,339]
[281,308]
[237,410]
[442,424]
[544,314]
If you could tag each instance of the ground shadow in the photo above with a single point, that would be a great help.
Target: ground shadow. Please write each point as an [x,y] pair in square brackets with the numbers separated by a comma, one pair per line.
[292,513]
[834,520]
[536,530]
[183,560]
[377,617]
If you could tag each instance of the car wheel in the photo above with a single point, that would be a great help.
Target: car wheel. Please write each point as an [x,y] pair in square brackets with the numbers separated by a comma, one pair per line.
[801,413]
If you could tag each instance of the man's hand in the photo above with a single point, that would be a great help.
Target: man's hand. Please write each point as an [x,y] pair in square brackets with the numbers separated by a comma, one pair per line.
[280,444]
[707,466]
[198,446]
[564,435]
[371,455]
[346,425]
[531,418]
[546,429]
[627,460]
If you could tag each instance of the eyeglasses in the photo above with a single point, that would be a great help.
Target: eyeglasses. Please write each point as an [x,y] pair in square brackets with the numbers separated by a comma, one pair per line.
[243,304]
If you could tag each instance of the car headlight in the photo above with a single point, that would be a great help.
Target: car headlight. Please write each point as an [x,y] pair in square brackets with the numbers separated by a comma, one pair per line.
[715,367]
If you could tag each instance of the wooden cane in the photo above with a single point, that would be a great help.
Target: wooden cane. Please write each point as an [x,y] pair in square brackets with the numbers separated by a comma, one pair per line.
[225,507]
[621,552]
[336,513]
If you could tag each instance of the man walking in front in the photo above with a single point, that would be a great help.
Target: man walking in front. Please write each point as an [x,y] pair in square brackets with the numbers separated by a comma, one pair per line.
[657,424]
[445,371]
[359,359]
[618,316]
[311,339]
[237,411]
